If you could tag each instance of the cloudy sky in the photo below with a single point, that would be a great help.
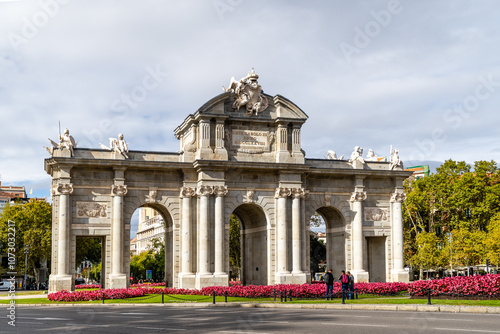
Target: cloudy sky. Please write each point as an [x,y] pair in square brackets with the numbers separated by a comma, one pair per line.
[423,76]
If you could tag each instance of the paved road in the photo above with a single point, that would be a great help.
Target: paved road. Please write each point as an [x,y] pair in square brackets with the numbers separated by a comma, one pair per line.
[154,319]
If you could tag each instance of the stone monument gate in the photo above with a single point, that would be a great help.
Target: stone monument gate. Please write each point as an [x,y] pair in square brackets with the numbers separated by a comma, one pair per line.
[240,153]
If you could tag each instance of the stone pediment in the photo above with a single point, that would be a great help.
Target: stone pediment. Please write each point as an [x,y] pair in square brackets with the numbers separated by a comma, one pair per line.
[224,129]
[279,107]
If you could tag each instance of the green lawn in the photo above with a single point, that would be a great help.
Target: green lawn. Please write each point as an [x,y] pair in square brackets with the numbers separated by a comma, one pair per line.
[155,299]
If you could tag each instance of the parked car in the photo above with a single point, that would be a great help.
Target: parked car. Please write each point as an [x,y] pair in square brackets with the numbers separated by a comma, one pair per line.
[4,285]
[80,281]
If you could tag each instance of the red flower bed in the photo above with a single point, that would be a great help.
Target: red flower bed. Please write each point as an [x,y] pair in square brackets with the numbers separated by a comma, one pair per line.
[249,291]
[487,285]
[146,285]
[77,296]
[88,286]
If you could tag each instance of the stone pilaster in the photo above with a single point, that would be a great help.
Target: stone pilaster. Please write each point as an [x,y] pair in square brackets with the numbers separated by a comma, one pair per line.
[220,150]
[398,273]
[204,140]
[282,154]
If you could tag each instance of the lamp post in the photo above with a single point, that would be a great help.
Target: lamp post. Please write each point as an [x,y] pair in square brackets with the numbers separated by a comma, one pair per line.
[450,238]
[26,251]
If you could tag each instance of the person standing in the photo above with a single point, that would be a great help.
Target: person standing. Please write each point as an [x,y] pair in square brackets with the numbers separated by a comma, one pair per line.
[344,279]
[351,285]
[328,279]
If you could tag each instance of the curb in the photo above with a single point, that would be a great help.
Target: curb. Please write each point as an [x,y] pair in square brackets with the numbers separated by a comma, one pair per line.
[365,307]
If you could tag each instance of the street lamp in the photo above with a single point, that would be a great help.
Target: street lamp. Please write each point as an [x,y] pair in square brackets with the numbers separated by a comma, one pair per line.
[26,251]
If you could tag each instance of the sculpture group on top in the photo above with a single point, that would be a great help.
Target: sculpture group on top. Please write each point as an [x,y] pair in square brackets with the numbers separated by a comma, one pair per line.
[119,146]
[357,155]
[66,141]
[248,93]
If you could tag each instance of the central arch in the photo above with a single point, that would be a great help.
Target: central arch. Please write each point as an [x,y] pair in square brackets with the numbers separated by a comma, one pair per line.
[254,263]
[167,239]
[335,238]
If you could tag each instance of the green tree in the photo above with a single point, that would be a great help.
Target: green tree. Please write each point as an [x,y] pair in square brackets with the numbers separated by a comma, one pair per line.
[234,244]
[317,252]
[88,249]
[492,241]
[429,253]
[33,227]
[468,247]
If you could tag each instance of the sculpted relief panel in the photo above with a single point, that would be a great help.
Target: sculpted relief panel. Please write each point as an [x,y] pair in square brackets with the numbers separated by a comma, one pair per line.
[375,214]
[91,210]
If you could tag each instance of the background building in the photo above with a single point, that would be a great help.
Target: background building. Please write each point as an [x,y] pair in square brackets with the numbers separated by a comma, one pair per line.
[9,193]
[151,226]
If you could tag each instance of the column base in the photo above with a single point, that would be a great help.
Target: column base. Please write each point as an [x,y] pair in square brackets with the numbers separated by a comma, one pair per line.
[60,283]
[400,276]
[291,278]
[117,281]
[221,279]
[204,280]
[361,276]
[187,281]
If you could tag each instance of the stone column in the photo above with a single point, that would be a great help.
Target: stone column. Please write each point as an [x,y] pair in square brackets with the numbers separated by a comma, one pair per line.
[117,277]
[398,273]
[203,231]
[358,270]
[281,231]
[63,279]
[297,194]
[186,265]
[219,192]
[63,236]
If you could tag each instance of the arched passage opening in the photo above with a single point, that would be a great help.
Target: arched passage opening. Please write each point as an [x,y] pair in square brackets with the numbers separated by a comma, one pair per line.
[253,244]
[151,245]
[335,238]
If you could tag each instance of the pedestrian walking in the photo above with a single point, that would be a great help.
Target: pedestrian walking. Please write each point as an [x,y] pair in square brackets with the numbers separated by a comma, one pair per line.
[351,285]
[328,279]
[344,279]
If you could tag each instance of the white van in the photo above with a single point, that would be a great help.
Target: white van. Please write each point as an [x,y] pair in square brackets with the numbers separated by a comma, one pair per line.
[4,285]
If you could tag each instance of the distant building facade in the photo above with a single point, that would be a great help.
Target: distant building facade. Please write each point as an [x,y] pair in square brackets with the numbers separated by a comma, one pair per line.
[151,226]
[9,193]
[418,172]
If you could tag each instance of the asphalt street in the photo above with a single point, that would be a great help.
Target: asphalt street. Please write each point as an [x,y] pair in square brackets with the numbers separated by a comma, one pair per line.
[154,319]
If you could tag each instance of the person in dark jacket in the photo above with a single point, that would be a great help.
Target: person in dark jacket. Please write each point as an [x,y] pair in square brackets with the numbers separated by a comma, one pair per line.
[344,279]
[328,279]
[351,285]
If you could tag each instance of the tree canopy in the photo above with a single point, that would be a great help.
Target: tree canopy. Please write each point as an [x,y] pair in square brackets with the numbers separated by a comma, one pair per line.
[33,228]
[457,207]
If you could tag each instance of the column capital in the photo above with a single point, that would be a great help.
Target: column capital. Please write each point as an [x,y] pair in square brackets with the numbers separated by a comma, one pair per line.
[220,190]
[298,192]
[358,196]
[204,191]
[63,188]
[282,192]
[398,197]
[187,192]
[118,190]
